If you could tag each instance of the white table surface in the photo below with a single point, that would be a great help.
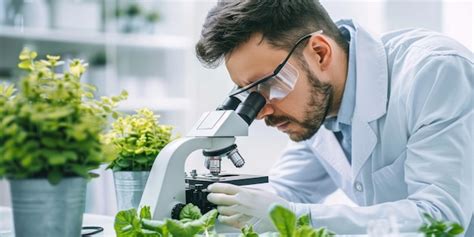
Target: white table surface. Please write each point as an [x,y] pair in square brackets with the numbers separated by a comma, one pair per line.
[106,222]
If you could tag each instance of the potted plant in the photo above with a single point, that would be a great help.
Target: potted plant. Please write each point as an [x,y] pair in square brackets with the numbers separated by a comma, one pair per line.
[138,139]
[50,138]
[130,18]
[152,18]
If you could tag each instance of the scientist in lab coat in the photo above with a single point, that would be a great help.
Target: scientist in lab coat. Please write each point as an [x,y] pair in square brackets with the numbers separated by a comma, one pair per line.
[387,120]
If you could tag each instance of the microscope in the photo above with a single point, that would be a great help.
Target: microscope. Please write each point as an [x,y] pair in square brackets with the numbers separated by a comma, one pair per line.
[169,188]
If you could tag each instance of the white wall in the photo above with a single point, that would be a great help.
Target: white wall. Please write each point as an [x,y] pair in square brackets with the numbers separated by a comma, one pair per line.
[458,21]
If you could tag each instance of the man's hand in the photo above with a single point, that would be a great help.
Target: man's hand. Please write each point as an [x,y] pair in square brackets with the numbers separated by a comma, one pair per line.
[240,206]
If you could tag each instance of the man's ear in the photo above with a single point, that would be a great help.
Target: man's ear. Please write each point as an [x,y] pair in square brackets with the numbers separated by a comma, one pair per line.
[321,50]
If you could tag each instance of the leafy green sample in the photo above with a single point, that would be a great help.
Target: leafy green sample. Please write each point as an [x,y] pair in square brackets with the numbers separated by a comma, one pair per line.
[189,213]
[439,228]
[128,223]
[52,126]
[247,231]
[284,220]
[288,225]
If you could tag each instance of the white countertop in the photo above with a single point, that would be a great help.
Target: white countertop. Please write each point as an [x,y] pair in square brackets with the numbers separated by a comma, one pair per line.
[106,222]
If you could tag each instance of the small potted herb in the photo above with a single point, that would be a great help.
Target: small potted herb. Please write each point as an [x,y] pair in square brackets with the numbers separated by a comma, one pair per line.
[50,140]
[138,139]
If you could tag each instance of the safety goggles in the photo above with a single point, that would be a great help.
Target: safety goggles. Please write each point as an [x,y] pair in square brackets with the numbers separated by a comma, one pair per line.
[277,85]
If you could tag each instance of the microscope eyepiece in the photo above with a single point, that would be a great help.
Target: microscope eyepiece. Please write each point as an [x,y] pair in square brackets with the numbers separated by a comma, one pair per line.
[231,103]
[250,108]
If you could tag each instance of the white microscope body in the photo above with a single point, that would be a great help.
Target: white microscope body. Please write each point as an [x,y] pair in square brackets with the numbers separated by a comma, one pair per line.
[215,130]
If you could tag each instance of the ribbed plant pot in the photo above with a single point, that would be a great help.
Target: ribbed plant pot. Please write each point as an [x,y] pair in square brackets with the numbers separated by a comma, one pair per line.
[129,186]
[42,209]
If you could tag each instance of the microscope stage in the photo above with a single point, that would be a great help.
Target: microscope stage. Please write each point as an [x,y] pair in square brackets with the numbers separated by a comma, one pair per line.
[236,179]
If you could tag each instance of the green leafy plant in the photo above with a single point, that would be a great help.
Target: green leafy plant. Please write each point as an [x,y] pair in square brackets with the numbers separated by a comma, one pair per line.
[192,223]
[128,223]
[247,231]
[51,127]
[152,16]
[439,228]
[138,139]
[288,225]
[189,213]
[133,10]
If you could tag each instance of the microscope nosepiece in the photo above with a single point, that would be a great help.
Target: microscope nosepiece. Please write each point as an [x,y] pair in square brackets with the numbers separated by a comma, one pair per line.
[230,152]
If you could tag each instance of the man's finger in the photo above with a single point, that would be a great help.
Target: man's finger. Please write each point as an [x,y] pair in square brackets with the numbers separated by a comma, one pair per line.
[237,221]
[224,188]
[221,199]
[228,210]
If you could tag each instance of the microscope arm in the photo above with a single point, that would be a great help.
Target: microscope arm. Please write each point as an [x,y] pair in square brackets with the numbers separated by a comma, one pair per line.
[165,186]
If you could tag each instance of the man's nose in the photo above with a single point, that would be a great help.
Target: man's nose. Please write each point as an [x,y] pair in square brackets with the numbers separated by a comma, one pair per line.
[265,111]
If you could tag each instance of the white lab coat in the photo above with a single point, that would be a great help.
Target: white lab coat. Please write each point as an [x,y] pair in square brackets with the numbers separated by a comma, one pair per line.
[412,144]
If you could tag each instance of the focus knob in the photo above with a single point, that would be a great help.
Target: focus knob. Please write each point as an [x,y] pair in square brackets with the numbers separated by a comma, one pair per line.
[176,210]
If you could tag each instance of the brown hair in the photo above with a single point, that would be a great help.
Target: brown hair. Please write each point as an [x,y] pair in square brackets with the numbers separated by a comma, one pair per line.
[281,22]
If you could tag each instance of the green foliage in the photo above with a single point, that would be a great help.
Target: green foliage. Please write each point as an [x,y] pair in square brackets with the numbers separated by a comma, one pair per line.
[189,213]
[51,128]
[288,225]
[439,228]
[128,223]
[138,139]
[133,10]
[247,231]
[284,220]
[192,223]
[303,220]
[152,16]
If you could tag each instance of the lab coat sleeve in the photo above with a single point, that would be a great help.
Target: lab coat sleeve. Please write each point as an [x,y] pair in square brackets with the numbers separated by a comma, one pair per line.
[439,163]
[298,175]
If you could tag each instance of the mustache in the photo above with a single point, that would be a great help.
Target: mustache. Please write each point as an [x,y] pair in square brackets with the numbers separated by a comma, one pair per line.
[274,120]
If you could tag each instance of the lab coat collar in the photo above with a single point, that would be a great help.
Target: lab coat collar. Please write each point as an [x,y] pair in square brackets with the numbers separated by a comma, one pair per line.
[371,74]
[371,94]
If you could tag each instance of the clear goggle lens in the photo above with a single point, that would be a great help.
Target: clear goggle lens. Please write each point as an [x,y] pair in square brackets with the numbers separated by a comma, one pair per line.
[276,87]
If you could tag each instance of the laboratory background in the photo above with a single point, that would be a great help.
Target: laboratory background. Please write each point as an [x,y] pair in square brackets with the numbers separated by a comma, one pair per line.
[147,48]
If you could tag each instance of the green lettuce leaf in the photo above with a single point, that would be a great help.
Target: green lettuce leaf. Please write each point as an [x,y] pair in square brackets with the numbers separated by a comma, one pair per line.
[189,213]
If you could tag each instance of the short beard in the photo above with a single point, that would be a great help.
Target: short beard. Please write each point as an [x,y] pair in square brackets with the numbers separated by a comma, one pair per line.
[316,109]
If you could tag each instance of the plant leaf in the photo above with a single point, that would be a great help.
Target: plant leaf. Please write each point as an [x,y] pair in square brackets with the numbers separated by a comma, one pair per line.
[306,231]
[80,170]
[54,177]
[284,220]
[303,220]
[247,231]
[190,212]
[125,223]
[158,226]
[456,229]
[209,219]
[189,229]
[145,213]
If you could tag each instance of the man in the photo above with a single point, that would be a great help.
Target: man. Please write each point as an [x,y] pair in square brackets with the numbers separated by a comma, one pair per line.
[388,121]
